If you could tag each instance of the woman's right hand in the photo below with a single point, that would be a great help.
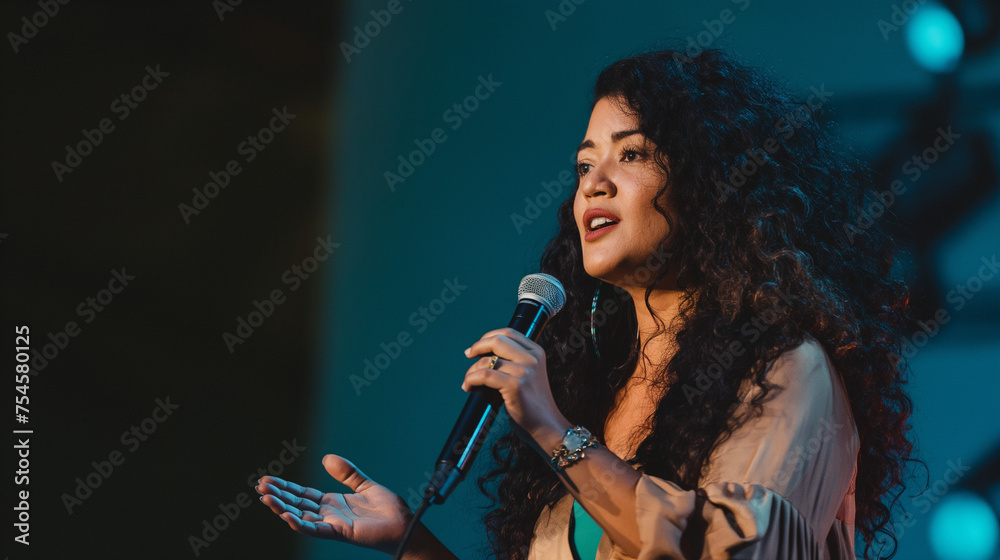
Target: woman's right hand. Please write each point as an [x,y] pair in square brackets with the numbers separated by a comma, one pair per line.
[372,516]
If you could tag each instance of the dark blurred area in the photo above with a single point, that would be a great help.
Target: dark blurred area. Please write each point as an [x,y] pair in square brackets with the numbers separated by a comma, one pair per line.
[209,75]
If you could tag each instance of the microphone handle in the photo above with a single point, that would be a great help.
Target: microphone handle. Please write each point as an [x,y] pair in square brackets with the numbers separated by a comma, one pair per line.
[477,415]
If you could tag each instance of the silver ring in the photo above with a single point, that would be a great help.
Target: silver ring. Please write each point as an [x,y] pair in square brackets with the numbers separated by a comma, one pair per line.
[493,362]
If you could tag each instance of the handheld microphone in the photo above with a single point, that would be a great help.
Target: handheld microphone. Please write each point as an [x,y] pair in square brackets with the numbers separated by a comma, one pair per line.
[540,296]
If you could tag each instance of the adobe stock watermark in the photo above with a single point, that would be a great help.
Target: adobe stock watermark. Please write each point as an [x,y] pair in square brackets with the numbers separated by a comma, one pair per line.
[414,496]
[420,320]
[757,158]
[122,106]
[293,277]
[924,502]
[132,439]
[563,10]
[364,34]
[959,297]
[898,17]
[913,168]
[801,454]
[249,148]
[86,310]
[225,7]
[38,20]
[580,335]
[212,527]
[713,30]
[751,331]
[550,193]
[594,490]
[453,116]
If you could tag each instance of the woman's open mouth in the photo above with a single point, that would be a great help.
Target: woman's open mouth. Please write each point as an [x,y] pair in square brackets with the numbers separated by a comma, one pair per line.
[598,223]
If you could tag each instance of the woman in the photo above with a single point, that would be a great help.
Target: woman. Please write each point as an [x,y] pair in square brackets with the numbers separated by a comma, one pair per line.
[739,378]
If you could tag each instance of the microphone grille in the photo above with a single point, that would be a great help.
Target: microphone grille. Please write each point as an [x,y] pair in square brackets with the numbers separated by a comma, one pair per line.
[544,289]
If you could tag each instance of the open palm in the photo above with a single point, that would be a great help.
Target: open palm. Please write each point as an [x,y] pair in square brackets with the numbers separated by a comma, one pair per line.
[372,516]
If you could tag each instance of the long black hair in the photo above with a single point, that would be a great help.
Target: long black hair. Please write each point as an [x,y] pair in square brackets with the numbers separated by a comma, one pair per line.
[766,203]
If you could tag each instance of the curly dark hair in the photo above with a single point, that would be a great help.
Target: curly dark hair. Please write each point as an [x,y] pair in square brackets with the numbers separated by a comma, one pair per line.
[767,200]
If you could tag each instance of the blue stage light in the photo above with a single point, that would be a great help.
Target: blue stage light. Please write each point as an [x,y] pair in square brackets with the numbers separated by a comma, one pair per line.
[964,527]
[935,38]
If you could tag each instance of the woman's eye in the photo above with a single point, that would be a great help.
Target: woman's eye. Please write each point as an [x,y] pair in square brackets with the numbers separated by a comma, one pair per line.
[628,155]
[631,155]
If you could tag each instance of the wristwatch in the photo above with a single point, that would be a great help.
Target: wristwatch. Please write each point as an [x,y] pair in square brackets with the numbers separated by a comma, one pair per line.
[572,449]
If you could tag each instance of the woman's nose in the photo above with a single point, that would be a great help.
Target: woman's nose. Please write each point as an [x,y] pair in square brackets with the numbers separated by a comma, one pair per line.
[598,182]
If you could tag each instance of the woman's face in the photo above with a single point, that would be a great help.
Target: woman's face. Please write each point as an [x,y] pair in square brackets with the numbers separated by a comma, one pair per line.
[618,180]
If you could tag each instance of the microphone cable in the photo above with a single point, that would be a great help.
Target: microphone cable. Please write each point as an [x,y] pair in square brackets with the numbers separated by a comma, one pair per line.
[424,504]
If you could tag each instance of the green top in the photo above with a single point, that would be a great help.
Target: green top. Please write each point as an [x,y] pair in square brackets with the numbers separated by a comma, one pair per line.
[585,534]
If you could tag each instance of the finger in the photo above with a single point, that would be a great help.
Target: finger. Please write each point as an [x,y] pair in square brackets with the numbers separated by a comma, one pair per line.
[514,335]
[280,507]
[501,364]
[283,501]
[301,526]
[501,345]
[488,378]
[272,484]
[310,516]
[274,504]
[297,501]
[314,527]
[346,472]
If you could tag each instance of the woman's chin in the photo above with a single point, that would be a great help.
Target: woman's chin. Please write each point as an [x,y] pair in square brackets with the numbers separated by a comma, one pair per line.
[607,273]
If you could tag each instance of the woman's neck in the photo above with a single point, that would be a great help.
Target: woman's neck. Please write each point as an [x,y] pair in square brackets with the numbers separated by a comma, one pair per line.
[657,345]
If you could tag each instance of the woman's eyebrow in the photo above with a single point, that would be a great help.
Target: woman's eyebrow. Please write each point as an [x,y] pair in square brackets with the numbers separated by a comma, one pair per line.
[615,137]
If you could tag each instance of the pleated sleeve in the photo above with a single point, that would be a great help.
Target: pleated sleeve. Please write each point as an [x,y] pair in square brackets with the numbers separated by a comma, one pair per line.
[779,487]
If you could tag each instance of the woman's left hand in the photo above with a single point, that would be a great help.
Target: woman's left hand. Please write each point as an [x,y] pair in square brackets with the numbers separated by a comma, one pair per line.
[521,378]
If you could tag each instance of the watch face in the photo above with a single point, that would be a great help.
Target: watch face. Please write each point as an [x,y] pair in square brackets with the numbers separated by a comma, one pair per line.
[575,439]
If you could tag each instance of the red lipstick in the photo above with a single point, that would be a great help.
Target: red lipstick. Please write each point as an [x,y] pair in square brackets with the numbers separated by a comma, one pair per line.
[603,228]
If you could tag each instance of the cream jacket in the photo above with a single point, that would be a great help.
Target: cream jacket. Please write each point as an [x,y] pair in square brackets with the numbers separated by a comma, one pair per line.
[782,486]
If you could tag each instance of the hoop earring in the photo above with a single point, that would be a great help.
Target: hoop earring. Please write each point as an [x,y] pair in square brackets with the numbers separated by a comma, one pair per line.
[593,310]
